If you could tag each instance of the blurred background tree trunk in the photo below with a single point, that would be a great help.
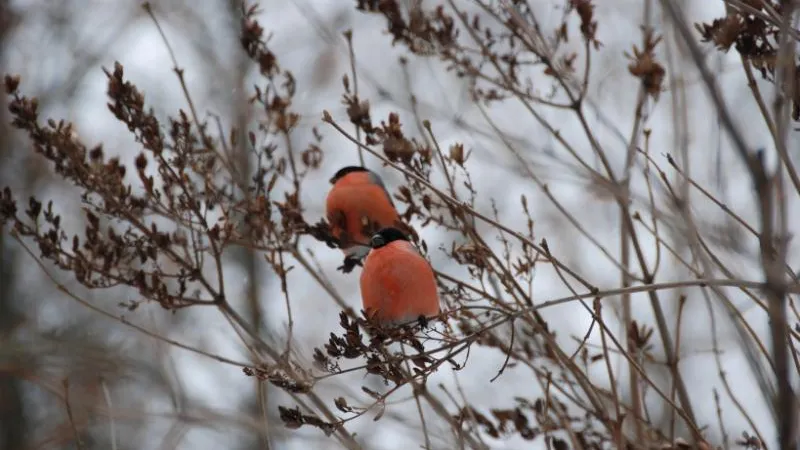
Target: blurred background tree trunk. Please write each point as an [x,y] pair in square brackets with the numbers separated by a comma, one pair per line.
[12,411]
[247,257]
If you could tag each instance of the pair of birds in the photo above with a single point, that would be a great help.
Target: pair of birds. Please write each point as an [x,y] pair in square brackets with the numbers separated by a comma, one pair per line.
[397,283]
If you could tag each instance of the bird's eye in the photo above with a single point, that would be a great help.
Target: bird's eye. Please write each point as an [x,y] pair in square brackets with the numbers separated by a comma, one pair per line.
[377,241]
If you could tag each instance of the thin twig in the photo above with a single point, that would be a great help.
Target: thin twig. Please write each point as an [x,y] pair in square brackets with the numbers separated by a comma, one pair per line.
[112,427]
[78,441]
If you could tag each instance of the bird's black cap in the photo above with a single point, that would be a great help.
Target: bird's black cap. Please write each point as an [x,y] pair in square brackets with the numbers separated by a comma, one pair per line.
[386,236]
[346,170]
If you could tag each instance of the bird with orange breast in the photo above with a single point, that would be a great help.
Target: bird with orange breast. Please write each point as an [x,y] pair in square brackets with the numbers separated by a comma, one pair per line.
[357,206]
[397,283]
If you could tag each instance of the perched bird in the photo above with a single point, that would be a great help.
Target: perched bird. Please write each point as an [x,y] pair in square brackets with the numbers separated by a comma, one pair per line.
[397,283]
[357,206]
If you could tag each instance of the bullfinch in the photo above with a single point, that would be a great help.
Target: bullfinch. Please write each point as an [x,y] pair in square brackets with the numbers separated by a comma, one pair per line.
[397,283]
[357,206]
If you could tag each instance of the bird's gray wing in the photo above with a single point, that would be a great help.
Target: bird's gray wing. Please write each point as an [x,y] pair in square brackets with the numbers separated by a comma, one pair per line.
[375,178]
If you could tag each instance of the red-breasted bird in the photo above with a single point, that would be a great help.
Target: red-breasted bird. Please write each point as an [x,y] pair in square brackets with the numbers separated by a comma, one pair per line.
[397,283]
[358,205]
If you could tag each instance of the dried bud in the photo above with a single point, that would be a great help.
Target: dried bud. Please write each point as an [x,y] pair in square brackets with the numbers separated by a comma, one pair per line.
[457,154]
[12,83]
[312,157]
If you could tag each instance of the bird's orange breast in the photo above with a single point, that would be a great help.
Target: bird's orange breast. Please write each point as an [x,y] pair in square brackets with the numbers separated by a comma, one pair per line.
[353,203]
[398,284]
